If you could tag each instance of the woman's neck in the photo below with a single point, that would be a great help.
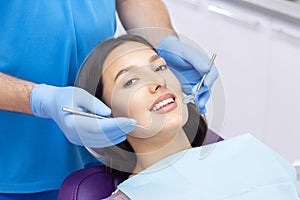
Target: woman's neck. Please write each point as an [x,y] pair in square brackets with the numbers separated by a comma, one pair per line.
[153,150]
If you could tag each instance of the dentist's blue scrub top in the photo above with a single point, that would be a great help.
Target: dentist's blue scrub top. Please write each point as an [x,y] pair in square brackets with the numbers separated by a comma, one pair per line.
[45,41]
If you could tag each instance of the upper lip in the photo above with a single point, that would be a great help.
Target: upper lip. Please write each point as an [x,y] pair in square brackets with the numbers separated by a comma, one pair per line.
[161,98]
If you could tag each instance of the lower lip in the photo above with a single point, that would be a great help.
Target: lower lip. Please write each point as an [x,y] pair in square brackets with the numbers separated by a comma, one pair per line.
[167,108]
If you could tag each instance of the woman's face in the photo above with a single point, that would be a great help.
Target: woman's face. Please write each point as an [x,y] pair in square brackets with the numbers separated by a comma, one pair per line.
[139,85]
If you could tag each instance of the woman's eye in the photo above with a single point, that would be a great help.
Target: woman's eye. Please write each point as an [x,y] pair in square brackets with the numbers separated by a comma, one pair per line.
[161,68]
[130,82]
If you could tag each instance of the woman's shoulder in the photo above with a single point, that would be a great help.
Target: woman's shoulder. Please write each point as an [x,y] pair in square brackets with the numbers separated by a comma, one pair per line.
[117,195]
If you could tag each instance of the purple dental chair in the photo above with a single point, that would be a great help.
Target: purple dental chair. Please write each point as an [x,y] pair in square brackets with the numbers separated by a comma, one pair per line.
[93,184]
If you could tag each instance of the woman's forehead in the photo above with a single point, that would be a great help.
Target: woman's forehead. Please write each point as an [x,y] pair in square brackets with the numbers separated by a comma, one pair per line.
[124,49]
[127,54]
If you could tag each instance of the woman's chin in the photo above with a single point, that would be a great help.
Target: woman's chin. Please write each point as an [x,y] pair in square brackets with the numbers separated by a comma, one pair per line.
[173,124]
[159,125]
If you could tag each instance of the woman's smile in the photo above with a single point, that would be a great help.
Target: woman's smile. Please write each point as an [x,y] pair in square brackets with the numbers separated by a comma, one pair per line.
[164,104]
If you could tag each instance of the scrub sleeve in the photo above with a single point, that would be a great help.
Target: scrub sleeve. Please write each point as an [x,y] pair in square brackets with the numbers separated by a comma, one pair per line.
[45,42]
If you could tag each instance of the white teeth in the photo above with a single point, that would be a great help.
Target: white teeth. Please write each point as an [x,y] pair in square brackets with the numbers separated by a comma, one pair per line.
[161,104]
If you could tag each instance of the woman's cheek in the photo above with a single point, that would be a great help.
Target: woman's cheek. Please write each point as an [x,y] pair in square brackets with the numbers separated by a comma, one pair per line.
[129,103]
[138,108]
[173,82]
[120,104]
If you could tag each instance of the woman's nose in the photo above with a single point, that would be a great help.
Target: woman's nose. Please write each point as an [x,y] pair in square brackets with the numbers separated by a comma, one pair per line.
[156,84]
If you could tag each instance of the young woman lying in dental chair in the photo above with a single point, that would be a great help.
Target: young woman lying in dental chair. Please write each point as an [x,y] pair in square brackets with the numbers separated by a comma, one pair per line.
[164,159]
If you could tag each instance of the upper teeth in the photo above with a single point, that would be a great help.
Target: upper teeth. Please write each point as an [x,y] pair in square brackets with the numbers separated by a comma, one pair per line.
[162,103]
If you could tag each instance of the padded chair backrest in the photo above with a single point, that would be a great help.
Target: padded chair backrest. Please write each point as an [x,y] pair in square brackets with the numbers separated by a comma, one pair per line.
[87,184]
[93,184]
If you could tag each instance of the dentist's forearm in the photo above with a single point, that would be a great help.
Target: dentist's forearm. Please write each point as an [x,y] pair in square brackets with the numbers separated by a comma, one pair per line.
[15,94]
[147,18]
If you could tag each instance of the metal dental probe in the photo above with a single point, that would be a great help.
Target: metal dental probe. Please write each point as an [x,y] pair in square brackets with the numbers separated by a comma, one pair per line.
[190,98]
[92,115]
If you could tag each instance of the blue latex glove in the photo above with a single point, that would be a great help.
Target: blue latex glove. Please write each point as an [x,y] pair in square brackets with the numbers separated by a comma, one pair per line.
[47,102]
[189,65]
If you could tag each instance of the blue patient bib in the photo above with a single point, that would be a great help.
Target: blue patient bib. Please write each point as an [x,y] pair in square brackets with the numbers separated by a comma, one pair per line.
[240,168]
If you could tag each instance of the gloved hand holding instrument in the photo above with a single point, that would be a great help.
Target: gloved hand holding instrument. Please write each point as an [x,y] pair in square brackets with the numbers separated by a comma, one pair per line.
[47,102]
[189,64]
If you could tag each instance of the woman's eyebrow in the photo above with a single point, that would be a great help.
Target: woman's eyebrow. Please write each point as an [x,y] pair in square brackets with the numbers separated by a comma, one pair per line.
[126,69]
[154,58]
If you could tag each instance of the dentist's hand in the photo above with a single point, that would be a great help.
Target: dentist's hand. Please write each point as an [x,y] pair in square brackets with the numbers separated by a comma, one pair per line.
[189,65]
[47,102]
